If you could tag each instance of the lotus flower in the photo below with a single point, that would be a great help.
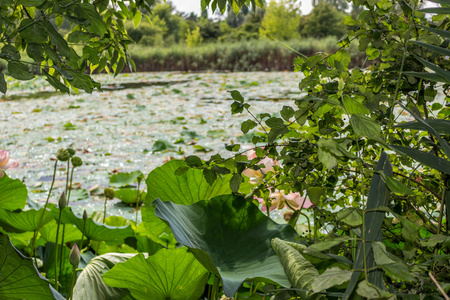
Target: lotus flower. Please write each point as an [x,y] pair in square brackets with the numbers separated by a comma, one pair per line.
[6,163]
[257,175]
[279,200]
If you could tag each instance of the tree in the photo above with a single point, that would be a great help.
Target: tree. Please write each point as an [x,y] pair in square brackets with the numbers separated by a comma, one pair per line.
[281,20]
[324,20]
[99,27]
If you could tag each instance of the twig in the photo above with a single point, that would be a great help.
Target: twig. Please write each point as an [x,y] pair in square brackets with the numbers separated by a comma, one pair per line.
[438,286]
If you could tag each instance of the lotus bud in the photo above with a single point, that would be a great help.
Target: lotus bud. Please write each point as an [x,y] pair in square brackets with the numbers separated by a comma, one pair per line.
[109,193]
[71,152]
[74,256]
[85,215]
[76,161]
[62,201]
[63,155]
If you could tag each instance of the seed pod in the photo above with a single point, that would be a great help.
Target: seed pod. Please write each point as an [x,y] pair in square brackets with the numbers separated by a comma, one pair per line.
[76,161]
[109,193]
[63,154]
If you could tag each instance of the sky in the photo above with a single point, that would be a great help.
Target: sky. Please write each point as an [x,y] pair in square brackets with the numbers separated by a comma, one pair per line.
[194,6]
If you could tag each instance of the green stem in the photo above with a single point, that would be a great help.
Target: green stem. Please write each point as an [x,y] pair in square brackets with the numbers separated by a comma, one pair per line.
[72,282]
[45,208]
[137,201]
[56,251]
[104,211]
[82,235]
[62,261]
[215,290]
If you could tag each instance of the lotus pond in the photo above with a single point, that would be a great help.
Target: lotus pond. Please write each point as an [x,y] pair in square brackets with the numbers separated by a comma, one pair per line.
[138,122]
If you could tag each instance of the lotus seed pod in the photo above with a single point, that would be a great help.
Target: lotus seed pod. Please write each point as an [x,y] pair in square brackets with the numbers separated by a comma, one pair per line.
[74,256]
[62,201]
[71,151]
[109,193]
[85,215]
[76,161]
[63,155]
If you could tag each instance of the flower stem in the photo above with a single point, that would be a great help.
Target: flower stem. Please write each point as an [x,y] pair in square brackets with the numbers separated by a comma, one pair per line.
[45,208]
[56,251]
[137,201]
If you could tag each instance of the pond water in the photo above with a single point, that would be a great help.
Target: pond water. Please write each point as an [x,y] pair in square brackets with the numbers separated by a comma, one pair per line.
[127,126]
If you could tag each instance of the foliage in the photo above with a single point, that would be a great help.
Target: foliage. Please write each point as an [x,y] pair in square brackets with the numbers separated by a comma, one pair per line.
[193,38]
[281,20]
[377,181]
[324,20]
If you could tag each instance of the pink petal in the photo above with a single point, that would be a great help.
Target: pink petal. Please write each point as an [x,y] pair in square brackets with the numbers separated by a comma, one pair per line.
[4,157]
[301,200]
[11,164]
[2,173]
[251,154]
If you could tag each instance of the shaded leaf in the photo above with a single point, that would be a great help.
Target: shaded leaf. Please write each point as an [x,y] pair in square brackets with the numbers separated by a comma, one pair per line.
[300,272]
[19,278]
[19,71]
[331,277]
[365,126]
[433,161]
[232,238]
[27,220]
[90,284]
[124,179]
[96,24]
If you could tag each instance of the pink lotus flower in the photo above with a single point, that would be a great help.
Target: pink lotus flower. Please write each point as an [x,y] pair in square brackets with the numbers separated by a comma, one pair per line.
[257,175]
[279,200]
[6,163]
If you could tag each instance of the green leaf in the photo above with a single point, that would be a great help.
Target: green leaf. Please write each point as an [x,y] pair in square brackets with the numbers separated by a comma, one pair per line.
[137,18]
[373,219]
[236,95]
[287,113]
[328,244]
[428,76]
[56,39]
[10,52]
[119,66]
[19,278]
[235,182]
[129,195]
[314,194]
[168,274]
[439,125]
[443,33]
[93,230]
[193,161]
[13,193]
[331,277]
[162,145]
[232,238]
[27,220]
[71,232]
[301,273]
[56,83]
[441,72]
[185,189]
[248,125]
[96,24]
[436,10]
[90,284]
[124,179]
[396,186]
[32,32]
[370,291]
[353,106]
[435,239]
[431,160]
[210,176]
[81,81]
[19,71]
[410,230]
[365,126]
[350,216]
[3,85]
[156,229]
[437,49]
[32,3]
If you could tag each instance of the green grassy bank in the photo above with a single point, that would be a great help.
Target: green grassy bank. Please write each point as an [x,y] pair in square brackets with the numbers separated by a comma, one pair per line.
[254,55]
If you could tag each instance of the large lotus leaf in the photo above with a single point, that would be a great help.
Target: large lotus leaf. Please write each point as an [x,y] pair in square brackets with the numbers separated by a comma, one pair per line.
[19,279]
[169,274]
[183,189]
[93,230]
[230,237]
[48,232]
[24,220]
[90,284]
[124,179]
[156,229]
[13,193]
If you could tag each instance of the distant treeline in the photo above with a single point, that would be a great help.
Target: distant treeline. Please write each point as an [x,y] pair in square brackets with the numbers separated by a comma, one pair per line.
[256,55]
